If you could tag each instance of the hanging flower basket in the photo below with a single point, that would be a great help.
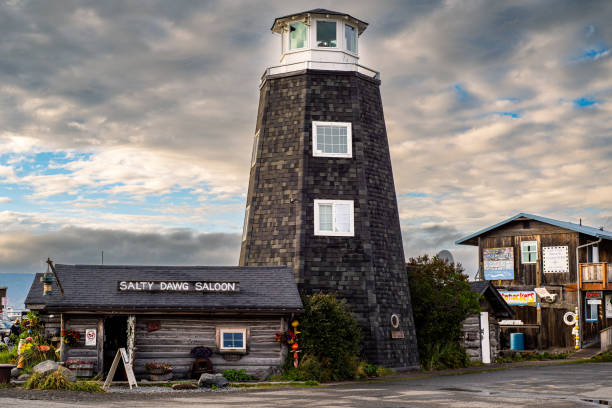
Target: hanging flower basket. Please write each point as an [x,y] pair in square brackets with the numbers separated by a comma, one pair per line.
[71,337]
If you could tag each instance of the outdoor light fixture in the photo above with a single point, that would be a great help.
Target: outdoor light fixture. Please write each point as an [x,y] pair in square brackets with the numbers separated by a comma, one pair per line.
[47,279]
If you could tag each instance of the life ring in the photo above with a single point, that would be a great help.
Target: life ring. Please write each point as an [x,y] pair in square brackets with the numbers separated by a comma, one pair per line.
[570,315]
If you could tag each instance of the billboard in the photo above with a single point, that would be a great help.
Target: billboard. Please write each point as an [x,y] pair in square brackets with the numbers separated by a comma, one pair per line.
[498,263]
[519,297]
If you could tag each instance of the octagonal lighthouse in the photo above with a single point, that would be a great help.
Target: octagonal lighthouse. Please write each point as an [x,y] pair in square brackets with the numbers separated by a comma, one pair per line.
[321,197]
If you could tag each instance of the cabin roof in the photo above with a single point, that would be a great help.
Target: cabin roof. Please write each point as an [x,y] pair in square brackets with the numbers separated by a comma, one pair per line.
[362,25]
[95,287]
[490,293]
[583,229]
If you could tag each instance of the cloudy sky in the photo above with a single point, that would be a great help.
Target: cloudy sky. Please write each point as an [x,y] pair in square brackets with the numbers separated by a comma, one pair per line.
[126,126]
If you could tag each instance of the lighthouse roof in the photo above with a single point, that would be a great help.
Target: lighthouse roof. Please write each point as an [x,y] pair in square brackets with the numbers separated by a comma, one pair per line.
[279,22]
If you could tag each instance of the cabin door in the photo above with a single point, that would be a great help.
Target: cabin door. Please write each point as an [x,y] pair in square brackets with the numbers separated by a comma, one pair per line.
[115,337]
[485,340]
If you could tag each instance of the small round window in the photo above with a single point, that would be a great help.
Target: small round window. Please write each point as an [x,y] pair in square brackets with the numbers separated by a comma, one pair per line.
[395,321]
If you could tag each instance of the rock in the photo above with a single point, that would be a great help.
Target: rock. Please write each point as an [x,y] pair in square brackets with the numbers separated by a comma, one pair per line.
[187,386]
[23,377]
[45,368]
[208,380]
[15,372]
[262,374]
[67,373]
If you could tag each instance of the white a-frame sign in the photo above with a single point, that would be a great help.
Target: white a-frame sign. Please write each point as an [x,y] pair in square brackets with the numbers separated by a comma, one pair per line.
[121,354]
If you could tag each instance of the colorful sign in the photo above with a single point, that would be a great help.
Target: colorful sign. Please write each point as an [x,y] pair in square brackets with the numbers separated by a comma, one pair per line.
[555,259]
[498,263]
[609,306]
[519,297]
[593,295]
[90,337]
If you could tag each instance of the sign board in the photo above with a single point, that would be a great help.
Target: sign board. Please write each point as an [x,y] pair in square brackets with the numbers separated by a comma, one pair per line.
[593,295]
[179,286]
[498,263]
[609,306]
[555,259]
[519,297]
[121,355]
[594,301]
[397,334]
[90,337]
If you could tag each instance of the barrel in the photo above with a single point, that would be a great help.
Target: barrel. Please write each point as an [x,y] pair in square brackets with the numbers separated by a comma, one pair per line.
[517,341]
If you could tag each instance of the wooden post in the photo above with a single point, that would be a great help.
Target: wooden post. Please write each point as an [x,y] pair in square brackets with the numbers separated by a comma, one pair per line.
[62,344]
[538,284]
[131,332]
[100,345]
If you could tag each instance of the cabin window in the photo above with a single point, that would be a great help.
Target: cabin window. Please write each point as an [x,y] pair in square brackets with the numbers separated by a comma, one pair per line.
[334,217]
[326,34]
[332,139]
[590,310]
[350,38]
[245,226]
[232,340]
[255,147]
[529,252]
[297,36]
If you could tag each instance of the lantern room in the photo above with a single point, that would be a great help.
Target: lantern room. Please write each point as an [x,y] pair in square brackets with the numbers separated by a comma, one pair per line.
[318,39]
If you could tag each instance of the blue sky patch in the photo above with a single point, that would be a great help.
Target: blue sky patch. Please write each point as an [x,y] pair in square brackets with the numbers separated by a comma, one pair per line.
[584,102]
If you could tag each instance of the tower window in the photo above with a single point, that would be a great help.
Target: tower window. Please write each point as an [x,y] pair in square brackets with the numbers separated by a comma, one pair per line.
[297,36]
[326,34]
[255,147]
[334,217]
[529,252]
[332,139]
[245,225]
[350,38]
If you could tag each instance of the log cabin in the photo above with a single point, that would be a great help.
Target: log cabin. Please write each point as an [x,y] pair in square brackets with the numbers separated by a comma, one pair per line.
[160,313]
[546,268]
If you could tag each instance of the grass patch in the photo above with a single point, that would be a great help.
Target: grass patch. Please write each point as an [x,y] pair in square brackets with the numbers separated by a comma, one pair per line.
[56,381]
[514,357]
[602,358]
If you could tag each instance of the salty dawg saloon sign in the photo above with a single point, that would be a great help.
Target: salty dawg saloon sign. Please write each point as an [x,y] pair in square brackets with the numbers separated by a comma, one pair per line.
[179,286]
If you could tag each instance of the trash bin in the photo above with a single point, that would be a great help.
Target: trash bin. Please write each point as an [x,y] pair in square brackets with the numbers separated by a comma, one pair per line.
[517,341]
[5,373]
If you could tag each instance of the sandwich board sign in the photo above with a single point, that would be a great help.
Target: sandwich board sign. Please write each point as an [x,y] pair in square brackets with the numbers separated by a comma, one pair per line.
[121,355]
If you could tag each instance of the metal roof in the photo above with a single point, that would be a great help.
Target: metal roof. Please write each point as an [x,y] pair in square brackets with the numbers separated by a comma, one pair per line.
[95,287]
[583,229]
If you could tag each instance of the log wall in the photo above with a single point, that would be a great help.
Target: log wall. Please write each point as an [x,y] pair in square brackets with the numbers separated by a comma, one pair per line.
[79,351]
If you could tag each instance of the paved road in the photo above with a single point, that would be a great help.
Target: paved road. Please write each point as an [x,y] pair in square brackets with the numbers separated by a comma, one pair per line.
[574,385]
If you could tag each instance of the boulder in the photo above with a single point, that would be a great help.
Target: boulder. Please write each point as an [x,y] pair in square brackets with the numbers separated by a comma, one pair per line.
[23,377]
[262,374]
[208,380]
[67,373]
[15,372]
[45,368]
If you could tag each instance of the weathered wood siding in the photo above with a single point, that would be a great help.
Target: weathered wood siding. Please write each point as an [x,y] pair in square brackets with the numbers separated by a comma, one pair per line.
[472,337]
[177,335]
[80,351]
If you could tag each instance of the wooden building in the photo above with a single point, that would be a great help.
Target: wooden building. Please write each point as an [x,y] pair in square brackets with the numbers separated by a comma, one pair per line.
[481,332]
[161,313]
[535,263]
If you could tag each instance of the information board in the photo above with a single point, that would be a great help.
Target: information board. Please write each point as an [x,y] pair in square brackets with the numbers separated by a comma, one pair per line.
[609,306]
[555,259]
[519,297]
[498,263]
[90,337]
[121,355]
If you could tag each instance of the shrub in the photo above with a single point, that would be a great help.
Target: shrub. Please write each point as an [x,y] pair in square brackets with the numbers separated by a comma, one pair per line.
[55,381]
[237,375]
[33,382]
[441,299]
[330,339]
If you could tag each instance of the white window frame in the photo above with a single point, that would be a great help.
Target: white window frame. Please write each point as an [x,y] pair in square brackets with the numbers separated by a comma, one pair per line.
[317,231]
[223,330]
[245,225]
[306,43]
[356,52]
[523,250]
[255,149]
[349,139]
[338,46]
[590,310]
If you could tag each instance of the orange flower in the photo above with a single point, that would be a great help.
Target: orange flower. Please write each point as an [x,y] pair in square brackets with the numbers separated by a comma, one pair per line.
[44,348]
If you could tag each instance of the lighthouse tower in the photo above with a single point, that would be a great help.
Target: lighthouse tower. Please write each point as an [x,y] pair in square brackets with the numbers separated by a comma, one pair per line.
[321,196]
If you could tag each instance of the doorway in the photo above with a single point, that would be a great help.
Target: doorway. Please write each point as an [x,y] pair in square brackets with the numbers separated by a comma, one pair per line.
[115,337]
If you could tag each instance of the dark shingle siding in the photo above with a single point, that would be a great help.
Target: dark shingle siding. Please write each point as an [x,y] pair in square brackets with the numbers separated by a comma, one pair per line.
[95,286]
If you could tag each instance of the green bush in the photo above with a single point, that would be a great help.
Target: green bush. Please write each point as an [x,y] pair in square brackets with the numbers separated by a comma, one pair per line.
[441,300]
[330,337]
[56,381]
[237,375]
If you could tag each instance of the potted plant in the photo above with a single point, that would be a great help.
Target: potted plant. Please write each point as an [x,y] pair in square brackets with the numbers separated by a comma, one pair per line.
[71,337]
[159,371]
[81,368]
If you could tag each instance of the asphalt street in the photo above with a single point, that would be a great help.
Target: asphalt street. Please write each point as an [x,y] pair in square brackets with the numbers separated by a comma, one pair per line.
[566,385]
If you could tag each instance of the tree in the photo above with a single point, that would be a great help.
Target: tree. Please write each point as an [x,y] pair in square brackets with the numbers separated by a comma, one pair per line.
[441,299]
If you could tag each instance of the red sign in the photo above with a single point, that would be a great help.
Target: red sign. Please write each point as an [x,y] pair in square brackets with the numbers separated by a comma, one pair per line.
[593,295]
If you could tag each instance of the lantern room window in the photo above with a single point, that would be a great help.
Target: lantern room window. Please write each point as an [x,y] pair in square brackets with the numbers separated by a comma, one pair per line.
[297,36]
[350,38]
[326,34]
